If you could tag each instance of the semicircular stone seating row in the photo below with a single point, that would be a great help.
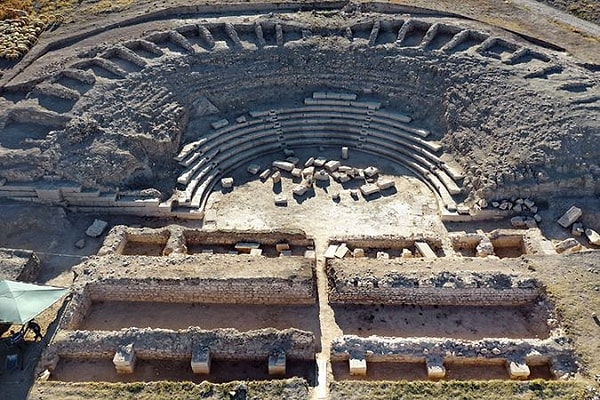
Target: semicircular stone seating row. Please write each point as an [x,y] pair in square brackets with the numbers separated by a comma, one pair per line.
[326,119]
[60,92]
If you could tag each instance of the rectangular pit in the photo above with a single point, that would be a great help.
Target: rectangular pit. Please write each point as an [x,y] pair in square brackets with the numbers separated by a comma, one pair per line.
[145,244]
[382,371]
[464,322]
[103,370]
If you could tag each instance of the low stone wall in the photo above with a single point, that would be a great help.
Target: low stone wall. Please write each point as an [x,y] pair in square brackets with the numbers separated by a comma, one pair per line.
[555,351]
[19,265]
[479,289]
[163,344]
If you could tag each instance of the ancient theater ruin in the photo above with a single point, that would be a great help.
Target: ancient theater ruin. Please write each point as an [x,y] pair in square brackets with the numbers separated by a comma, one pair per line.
[320,196]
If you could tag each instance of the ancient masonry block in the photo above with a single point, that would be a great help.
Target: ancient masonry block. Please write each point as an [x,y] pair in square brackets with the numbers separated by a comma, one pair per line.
[358,366]
[425,250]
[277,363]
[570,217]
[227,183]
[518,369]
[124,359]
[201,359]
[435,368]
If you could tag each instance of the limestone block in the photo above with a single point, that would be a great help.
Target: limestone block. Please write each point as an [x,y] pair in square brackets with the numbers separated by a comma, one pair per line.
[256,252]
[282,246]
[567,244]
[425,250]
[246,247]
[308,171]
[299,190]
[297,173]
[265,174]
[276,177]
[319,162]
[358,366]
[124,359]
[518,370]
[281,200]
[253,169]
[309,162]
[385,183]
[528,203]
[227,183]
[406,253]
[435,368]
[219,124]
[593,236]
[277,364]
[241,119]
[369,189]
[322,175]
[341,251]
[382,255]
[310,254]
[283,165]
[201,360]
[96,228]
[577,229]
[371,171]
[570,217]
[330,252]
[344,153]
[293,160]
[343,178]
[80,244]
[358,253]
[332,165]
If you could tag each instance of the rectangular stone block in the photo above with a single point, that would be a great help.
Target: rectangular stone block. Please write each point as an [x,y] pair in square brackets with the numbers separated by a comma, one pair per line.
[435,368]
[341,251]
[277,364]
[201,359]
[425,250]
[369,189]
[358,366]
[246,247]
[570,217]
[124,359]
[330,252]
[385,183]
[518,369]
[284,165]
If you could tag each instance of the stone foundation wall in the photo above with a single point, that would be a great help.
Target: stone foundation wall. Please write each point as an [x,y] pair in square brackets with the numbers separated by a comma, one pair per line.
[162,344]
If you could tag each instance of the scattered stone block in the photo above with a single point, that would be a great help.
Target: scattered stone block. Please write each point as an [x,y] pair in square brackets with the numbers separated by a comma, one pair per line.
[330,252]
[222,123]
[406,253]
[517,208]
[343,178]
[282,246]
[593,236]
[277,363]
[297,173]
[358,366]
[534,209]
[319,162]
[246,247]
[344,153]
[537,218]
[201,360]
[335,196]
[371,171]
[577,229]
[435,368]
[284,165]
[310,254]
[322,175]
[281,200]
[385,184]
[425,250]
[276,177]
[308,171]
[256,252]
[309,162]
[332,165]
[299,190]
[518,370]
[567,244]
[528,203]
[369,189]
[358,253]
[227,183]
[96,228]
[265,174]
[570,217]
[124,359]
[253,169]
[523,222]
[288,152]
[382,255]
[341,251]
[80,244]
[241,119]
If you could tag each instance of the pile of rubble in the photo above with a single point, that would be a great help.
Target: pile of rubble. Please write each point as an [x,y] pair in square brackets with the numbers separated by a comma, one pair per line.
[570,220]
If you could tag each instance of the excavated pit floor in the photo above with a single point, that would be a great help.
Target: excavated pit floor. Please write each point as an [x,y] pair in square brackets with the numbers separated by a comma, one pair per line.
[460,322]
[246,317]
[74,370]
